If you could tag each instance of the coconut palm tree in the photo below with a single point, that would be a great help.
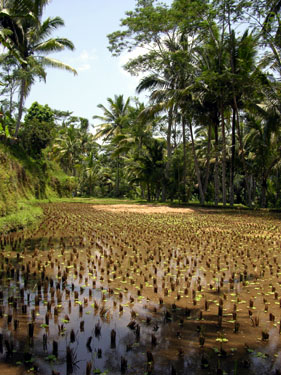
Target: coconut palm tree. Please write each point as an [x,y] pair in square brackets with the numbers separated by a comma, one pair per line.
[67,148]
[149,167]
[114,120]
[27,37]
[244,80]
[159,83]
[171,91]
[263,140]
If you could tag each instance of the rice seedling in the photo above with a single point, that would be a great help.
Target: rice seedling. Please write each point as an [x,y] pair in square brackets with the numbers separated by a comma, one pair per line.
[161,276]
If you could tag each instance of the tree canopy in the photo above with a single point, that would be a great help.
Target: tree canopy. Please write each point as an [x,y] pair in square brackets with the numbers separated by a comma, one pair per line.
[209,131]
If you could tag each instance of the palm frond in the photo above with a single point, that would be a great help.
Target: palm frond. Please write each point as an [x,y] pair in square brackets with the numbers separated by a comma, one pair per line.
[150,83]
[48,26]
[47,61]
[54,45]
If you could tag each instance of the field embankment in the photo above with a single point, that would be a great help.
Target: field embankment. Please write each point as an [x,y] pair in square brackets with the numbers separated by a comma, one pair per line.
[24,181]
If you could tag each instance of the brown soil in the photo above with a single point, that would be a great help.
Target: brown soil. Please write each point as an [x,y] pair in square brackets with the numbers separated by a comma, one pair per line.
[178,275]
[6,369]
[144,209]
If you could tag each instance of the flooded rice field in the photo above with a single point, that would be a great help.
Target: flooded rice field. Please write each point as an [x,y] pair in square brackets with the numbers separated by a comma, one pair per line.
[95,291]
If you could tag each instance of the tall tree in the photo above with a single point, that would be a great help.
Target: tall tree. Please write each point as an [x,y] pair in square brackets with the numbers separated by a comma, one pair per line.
[114,121]
[26,36]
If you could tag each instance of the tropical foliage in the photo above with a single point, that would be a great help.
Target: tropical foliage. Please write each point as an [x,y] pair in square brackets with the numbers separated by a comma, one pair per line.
[26,37]
[210,130]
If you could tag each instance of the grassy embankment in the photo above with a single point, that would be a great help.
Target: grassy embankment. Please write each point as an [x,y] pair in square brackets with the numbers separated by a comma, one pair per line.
[25,181]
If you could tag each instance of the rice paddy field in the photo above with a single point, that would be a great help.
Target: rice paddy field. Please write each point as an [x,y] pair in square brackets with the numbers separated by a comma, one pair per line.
[142,290]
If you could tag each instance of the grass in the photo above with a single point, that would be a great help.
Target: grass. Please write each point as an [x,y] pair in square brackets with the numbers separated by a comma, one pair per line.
[22,180]
[28,214]
[102,201]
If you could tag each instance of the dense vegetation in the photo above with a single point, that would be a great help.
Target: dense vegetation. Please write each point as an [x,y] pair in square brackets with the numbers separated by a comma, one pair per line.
[210,131]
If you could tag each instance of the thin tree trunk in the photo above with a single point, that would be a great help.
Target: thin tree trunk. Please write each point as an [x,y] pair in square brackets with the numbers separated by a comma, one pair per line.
[91,186]
[163,189]
[11,100]
[278,193]
[21,102]
[232,165]
[169,151]
[263,191]
[208,160]
[216,171]
[254,188]
[223,158]
[202,197]
[148,192]
[169,133]
[240,137]
[184,160]
[118,178]
[142,191]
[241,148]
[163,194]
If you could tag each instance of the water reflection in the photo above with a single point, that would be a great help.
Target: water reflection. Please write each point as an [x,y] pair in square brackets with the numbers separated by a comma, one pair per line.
[172,301]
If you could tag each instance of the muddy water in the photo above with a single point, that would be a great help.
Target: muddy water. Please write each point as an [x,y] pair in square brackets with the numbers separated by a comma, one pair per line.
[123,292]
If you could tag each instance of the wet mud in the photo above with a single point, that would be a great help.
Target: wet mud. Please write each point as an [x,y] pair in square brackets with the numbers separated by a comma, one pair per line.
[93,291]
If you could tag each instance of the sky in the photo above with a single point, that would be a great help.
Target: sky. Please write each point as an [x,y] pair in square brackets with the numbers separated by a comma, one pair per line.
[100,75]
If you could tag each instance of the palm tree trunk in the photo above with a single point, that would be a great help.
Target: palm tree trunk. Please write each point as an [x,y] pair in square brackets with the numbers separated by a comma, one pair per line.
[148,192]
[11,100]
[201,193]
[277,189]
[184,160]
[90,186]
[169,151]
[208,160]
[142,191]
[21,102]
[117,179]
[263,191]
[254,189]
[216,171]
[223,158]
[169,133]
[232,166]
[240,137]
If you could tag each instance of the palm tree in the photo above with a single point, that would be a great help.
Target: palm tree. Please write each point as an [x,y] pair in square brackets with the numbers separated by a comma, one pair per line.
[115,117]
[243,82]
[262,140]
[159,84]
[114,122]
[171,91]
[149,167]
[27,37]
[67,148]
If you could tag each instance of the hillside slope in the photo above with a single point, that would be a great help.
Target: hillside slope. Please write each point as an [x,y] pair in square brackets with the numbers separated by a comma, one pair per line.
[24,180]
